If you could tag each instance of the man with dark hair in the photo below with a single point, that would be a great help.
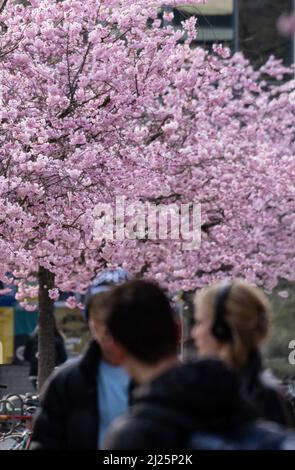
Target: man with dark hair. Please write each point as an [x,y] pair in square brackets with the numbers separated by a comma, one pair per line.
[141,319]
[193,406]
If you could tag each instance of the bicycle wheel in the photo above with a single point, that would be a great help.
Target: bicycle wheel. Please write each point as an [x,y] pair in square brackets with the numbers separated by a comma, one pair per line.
[8,407]
[10,441]
[25,442]
[16,401]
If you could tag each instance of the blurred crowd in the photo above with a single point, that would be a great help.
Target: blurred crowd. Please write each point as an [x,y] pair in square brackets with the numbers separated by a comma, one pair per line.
[131,390]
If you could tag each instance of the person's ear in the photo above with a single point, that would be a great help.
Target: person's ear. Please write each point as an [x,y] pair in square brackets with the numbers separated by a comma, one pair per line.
[93,327]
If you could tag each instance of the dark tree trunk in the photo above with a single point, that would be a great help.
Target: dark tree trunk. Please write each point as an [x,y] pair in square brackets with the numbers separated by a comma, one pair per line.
[46,349]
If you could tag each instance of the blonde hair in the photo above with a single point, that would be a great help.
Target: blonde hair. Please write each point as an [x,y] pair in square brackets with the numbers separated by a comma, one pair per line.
[248,314]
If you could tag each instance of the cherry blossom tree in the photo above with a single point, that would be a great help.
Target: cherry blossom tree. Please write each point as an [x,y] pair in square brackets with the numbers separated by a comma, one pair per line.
[98,101]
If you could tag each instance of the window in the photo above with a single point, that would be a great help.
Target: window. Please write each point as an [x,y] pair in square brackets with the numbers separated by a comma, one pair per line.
[216,21]
[246,25]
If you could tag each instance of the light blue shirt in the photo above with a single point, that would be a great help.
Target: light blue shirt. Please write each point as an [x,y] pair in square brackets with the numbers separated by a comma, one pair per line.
[113,396]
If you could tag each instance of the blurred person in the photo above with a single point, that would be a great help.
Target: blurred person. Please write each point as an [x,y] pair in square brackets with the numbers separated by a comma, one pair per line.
[31,352]
[233,320]
[191,406]
[82,398]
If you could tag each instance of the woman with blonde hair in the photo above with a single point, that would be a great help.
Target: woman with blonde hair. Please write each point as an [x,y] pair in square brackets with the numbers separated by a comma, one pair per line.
[233,320]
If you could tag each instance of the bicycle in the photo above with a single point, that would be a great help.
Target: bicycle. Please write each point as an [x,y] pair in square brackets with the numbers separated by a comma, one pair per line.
[18,432]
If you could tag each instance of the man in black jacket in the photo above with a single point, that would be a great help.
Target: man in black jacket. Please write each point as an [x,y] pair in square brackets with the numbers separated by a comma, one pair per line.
[68,418]
[85,395]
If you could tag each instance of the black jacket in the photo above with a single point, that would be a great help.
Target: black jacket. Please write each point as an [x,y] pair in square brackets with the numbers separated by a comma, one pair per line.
[261,391]
[68,418]
[201,396]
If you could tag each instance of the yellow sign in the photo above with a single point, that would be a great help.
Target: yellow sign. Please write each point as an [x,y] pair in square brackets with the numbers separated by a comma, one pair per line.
[213,7]
[6,335]
[74,328]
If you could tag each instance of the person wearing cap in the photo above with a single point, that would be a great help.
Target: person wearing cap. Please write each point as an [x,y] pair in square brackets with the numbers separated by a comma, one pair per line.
[83,397]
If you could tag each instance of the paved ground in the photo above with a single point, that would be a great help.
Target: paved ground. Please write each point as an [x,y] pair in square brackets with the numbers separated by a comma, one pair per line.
[7,444]
[16,379]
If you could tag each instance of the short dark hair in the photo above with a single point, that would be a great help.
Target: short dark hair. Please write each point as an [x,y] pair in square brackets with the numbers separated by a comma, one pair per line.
[141,318]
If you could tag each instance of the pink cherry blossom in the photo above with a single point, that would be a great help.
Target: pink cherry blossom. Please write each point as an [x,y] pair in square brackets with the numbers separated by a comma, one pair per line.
[98,102]
[53,294]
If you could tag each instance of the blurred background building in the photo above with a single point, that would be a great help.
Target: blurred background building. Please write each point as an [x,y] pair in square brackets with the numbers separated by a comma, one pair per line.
[16,325]
[246,25]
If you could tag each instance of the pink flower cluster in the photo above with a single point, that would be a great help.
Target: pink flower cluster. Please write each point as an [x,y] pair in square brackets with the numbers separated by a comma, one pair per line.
[99,102]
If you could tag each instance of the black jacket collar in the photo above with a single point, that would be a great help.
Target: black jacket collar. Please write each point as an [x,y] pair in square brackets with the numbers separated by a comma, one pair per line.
[90,360]
[89,363]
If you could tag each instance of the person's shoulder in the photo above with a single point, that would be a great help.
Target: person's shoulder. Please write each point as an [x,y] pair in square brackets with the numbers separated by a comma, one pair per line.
[272,436]
[129,432]
[271,387]
[275,401]
[269,380]
[268,386]
[62,375]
